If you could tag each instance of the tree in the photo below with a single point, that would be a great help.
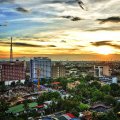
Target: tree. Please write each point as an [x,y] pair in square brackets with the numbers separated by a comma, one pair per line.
[97,96]
[2,87]
[89,77]
[96,84]
[111,116]
[13,84]
[106,89]
[84,107]
[115,90]
[3,108]
[117,108]
[26,105]
[109,100]
[114,87]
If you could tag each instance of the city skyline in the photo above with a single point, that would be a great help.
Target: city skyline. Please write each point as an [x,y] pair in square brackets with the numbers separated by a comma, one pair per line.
[59,27]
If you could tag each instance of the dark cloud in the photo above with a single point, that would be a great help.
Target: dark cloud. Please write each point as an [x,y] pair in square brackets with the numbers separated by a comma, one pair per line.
[80,46]
[19,44]
[72,18]
[50,46]
[63,41]
[110,19]
[31,45]
[76,19]
[67,49]
[108,43]
[2,25]
[59,1]
[100,43]
[5,1]
[81,4]
[21,9]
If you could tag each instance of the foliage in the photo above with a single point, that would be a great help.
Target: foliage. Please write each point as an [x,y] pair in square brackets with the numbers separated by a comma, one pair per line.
[97,96]
[48,96]
[96,84]
[115,90]
[26,105]
[3,108]
[117,108]
[84,107]
[106,89]
[109,100]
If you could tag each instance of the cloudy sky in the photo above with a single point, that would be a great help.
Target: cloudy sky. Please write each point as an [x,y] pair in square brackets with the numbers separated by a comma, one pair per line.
[59,27]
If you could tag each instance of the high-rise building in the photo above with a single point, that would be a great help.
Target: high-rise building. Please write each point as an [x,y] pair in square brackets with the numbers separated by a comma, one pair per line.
[43,64]
[58,70]
[12,71]
[101,71]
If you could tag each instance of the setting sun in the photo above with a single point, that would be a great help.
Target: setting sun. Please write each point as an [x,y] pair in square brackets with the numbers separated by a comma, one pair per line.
[105,50]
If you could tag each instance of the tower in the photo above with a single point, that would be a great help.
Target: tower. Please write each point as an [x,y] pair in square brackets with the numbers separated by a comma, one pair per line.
[11,51]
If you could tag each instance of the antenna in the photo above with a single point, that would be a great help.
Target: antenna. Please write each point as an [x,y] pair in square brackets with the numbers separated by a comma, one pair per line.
[11,51]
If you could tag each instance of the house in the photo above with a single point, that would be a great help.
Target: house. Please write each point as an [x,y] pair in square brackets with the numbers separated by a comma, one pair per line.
[100,108]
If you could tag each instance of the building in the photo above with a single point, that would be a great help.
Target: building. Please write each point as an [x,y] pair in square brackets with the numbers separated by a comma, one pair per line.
[43,64]
[101,71]
[58,70]
[12,71]
[73,84]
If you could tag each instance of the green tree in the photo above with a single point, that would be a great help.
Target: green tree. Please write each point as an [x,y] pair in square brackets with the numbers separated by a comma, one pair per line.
[26,105]
[106,89]
[96,84]
[111,116]
[3,108]
[83,107]
[97,96]
[109,100]
[117,108]
[3,88]
[115,90]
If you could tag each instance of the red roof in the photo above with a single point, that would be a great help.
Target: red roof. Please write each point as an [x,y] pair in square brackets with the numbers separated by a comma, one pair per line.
[56,83]
[40,106]
[70,115]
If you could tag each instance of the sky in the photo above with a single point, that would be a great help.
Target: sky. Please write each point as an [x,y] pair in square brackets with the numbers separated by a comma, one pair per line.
[59,27]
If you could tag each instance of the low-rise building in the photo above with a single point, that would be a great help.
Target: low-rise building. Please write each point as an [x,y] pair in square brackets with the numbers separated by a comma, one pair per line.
[12,71]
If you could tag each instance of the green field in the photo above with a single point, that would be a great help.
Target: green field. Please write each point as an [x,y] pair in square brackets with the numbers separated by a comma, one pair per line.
[20,108]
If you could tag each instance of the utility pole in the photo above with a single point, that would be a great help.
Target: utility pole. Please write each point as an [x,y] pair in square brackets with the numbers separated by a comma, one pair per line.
[11,51]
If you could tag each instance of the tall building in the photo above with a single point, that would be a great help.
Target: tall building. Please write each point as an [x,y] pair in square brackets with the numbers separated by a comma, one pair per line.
[12,71]
[41,63]
[101,71]
[58,70]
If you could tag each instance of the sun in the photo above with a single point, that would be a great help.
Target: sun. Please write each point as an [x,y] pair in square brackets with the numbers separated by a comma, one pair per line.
[105,50]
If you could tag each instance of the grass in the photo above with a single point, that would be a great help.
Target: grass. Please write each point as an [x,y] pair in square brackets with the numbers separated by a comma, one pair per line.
[20,108]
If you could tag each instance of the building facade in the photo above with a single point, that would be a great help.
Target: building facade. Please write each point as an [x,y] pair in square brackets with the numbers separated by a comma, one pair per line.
[58,70]
[43,64]
[101,71]
[12,71]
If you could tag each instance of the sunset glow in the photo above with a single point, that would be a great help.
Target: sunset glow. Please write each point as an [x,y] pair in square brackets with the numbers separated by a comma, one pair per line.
[59,27]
